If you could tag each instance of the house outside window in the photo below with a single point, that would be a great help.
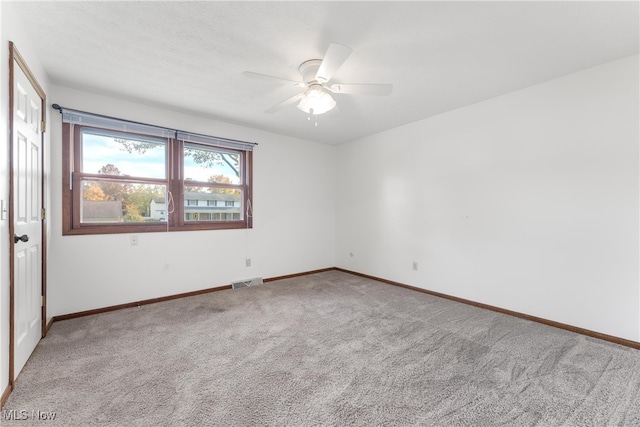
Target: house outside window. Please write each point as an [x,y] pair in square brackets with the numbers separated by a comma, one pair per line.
[204,210]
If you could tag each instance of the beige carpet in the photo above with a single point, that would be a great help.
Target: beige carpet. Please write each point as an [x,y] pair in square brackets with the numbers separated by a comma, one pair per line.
[324,349]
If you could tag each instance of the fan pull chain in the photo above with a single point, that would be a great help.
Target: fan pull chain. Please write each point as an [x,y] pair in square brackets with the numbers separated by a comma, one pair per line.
[315,118]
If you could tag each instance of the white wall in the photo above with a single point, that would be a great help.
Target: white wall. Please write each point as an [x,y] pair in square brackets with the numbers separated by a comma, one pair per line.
[10,30]
[294,221]
[527,201]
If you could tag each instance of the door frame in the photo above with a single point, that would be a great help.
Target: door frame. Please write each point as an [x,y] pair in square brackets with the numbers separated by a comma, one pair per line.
[16,58]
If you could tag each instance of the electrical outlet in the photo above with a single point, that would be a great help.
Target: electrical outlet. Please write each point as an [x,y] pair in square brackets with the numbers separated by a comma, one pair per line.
[247,262]
[133,240]
[415,266]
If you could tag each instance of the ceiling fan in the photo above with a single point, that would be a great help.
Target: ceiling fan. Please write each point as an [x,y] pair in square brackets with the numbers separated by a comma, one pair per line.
[316,76]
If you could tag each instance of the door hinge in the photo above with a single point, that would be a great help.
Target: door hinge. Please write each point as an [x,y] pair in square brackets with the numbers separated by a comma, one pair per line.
[44,300]
[43,213]
[44,126]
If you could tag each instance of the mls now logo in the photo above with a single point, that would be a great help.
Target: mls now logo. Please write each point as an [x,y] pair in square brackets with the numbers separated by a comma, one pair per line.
[22,415]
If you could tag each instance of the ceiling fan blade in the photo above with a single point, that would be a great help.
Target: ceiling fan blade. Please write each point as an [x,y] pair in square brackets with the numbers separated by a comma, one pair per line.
[285,103]
[333,59]
[362,89]
[259,76]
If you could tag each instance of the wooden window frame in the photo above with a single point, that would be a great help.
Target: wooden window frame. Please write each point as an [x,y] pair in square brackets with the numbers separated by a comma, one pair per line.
[72,176]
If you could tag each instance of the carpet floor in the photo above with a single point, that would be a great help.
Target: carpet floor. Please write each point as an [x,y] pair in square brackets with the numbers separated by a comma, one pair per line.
[324,349]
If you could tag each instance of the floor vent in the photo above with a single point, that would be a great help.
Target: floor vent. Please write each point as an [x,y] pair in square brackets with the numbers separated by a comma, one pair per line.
[247,283]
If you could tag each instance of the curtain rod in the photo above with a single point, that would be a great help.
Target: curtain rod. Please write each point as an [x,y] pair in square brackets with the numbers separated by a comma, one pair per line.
[61,109]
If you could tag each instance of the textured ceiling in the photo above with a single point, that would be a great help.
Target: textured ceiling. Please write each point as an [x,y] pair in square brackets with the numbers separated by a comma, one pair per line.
[189,56]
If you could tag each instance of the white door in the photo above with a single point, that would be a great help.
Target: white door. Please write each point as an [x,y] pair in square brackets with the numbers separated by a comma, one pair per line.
[27,253]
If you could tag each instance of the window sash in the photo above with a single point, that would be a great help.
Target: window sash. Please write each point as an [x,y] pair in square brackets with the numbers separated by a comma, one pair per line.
[161,146]
[241,172]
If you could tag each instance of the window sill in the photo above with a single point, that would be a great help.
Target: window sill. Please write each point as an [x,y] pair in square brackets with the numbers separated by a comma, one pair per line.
[154,228]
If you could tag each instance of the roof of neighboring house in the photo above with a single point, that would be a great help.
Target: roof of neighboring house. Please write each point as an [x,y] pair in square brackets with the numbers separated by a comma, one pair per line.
[195,195]
[92,209]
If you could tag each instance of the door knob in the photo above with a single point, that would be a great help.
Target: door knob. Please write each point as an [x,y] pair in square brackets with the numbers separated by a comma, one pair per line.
[23,238]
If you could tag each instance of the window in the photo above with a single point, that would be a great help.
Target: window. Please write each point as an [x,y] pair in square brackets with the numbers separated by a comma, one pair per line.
[123,177]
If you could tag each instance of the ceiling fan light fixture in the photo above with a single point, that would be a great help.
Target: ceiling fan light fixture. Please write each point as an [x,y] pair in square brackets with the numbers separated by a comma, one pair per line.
[316,101]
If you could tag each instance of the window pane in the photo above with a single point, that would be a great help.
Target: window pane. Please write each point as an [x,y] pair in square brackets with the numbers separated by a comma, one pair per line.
[116,153]
[208,164]
[109,201]
[212,204]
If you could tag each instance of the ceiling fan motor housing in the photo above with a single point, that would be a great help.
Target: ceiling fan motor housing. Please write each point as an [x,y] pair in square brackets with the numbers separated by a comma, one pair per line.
[309,69]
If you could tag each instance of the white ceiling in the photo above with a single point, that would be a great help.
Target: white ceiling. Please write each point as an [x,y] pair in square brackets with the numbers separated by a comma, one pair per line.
[189,56]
